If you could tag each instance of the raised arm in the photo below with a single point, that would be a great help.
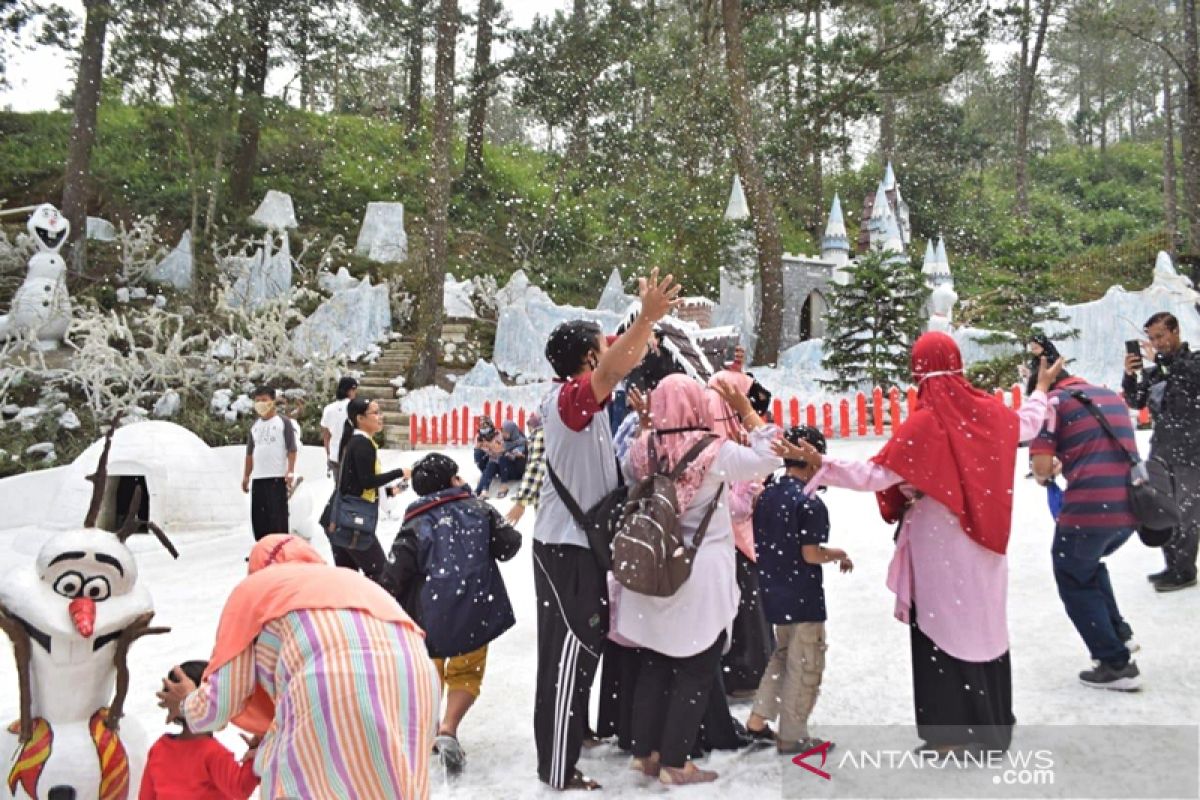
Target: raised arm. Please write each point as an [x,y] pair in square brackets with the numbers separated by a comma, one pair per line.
[222,695]
[658,298]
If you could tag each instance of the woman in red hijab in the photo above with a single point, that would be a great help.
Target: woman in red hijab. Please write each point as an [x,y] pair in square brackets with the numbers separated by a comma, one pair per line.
[947,477]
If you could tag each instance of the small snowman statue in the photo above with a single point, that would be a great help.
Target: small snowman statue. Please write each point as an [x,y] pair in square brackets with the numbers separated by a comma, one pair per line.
[72,616]
[41,308]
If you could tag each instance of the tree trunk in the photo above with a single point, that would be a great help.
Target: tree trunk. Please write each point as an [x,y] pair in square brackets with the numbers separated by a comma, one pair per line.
[818,134]
[416,67]
[1170,204]
[83,128]
[254,81]
[1191,151]
[437,198]
[577,146]
[758,195]
[481,88]
[1030,56]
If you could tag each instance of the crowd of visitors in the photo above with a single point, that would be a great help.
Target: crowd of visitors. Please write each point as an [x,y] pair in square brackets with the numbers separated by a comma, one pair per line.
[680,541]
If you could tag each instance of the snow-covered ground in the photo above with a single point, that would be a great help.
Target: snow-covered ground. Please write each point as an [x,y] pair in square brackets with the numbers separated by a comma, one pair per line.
[867,676]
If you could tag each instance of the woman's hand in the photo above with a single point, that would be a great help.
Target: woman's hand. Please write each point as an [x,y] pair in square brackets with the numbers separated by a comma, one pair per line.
[739,402]
[252,743]
[515,513]
[637,401]
[175,690]
[1048,373]
[800,451]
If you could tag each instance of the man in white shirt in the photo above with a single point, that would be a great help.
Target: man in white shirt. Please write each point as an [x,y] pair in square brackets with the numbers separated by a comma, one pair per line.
[333,420]
[270,466]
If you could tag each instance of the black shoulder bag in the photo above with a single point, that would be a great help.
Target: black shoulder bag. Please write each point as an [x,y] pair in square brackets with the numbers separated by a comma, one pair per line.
[1151,484]
[598,523]
[352,518]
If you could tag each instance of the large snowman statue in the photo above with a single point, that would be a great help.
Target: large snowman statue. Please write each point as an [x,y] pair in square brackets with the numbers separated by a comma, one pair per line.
[72,616]
[41,308]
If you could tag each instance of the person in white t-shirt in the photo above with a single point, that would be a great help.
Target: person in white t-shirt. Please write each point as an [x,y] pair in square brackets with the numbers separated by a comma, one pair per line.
[333,420]
[270,465]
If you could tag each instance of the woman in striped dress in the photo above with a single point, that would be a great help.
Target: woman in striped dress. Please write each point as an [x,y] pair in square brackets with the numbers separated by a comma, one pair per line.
[328,669]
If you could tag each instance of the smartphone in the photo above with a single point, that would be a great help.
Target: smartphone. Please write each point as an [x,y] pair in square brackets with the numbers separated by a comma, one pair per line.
[1133,347]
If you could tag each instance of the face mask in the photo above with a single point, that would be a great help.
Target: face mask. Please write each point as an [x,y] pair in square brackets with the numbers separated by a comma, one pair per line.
[263,407]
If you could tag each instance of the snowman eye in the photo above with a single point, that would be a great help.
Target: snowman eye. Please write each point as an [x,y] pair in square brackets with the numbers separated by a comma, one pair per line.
[68,584]
[97,588]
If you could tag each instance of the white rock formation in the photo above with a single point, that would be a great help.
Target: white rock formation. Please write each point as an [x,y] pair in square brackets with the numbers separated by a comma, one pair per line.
[350,323]
[101,230]
[334,283]
[176,268]
[457,300]
[614,298]
[275,212]
[168,405]
[382,237]
[261,277]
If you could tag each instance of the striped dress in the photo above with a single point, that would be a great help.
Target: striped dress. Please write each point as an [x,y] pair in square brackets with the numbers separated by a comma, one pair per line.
[356,706]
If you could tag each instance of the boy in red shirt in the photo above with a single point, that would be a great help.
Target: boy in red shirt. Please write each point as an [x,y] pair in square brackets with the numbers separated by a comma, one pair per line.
[195,766]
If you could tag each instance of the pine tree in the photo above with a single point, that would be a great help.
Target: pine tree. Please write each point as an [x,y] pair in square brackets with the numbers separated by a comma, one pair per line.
[873,321]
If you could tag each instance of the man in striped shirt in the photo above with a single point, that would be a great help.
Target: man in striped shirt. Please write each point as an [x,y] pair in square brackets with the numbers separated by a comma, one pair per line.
[1095,520]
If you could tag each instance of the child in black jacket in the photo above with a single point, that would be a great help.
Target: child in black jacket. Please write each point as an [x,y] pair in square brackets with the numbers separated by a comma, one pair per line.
[443,571]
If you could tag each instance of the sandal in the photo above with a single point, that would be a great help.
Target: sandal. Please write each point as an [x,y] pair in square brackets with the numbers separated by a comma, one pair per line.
[762,735]
[578,782]
[681,776]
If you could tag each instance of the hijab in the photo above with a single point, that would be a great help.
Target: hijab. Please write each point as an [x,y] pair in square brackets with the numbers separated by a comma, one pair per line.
[680,414]
[287,574]
[959,446]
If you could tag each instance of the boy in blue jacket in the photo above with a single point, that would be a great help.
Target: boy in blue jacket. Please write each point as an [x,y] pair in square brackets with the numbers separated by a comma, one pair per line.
[443,571]
[790,532]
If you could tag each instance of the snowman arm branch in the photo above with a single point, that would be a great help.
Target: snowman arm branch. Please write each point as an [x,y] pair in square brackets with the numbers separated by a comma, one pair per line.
[22,653]
[139,628]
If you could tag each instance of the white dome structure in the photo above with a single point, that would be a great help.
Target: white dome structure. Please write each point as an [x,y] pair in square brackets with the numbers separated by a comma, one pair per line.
[186,484]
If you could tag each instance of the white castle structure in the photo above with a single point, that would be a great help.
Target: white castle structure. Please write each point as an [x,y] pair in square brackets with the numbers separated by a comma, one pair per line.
[885,227]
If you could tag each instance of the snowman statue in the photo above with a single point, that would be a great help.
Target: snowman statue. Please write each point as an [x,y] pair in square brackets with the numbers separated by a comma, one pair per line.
[41,308]
[72,616]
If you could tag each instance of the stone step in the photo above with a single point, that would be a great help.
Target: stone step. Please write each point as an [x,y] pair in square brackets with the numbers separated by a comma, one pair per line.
[387,404]
[395,418]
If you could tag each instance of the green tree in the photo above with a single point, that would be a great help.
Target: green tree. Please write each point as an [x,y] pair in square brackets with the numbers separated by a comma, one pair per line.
[873,321]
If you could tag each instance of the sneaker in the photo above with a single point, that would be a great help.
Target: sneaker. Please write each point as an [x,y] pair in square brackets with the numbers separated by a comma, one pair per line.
[787,748]
[1155,577]
[1173,584]
[1105,676]
[451,754]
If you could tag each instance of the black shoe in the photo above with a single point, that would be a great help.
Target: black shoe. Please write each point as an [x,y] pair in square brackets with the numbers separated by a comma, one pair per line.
[763,735]
[1106,676]
[451,754]
[1173,584]
[1155,577]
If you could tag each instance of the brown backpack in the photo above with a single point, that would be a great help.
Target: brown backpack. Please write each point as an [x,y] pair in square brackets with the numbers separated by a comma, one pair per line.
[649,554]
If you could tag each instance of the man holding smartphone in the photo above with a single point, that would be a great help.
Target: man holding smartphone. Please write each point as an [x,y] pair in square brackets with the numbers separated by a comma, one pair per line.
[1171,389]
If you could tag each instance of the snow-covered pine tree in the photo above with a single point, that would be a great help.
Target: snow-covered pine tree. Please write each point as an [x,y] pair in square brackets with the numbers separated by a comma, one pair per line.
[873,321]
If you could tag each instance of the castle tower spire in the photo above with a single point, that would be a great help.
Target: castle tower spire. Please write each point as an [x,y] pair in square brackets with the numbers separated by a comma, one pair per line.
[835,245]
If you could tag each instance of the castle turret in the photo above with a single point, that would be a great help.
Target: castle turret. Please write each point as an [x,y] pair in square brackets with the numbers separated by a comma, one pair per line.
[835,245]
[891,241]
[936,268]
[881,214]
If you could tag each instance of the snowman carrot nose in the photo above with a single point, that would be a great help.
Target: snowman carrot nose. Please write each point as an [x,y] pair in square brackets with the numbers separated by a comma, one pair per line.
[83,614]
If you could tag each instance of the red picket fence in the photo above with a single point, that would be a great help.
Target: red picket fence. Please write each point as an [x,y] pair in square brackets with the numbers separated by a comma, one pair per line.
[856,416]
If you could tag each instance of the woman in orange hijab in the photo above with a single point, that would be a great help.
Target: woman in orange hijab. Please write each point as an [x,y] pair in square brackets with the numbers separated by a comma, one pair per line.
[328,669]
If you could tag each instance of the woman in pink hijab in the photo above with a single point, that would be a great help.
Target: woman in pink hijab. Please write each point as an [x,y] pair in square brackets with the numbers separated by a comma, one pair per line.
[751,643]
[682,636]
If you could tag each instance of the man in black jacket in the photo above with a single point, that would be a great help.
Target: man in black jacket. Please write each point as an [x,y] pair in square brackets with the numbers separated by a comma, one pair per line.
[1171,388]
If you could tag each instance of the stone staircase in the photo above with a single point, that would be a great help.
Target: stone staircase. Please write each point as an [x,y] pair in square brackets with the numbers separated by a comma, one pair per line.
[376,384]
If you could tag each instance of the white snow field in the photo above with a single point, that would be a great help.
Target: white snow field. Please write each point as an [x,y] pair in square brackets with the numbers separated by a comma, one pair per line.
[867,678]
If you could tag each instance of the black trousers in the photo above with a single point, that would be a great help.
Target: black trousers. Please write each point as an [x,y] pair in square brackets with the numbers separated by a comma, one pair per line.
[572,621]
[618,677]
[752,641]
[268,506]
[1180,551]
[671,698]
[960,702]
[369,562]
